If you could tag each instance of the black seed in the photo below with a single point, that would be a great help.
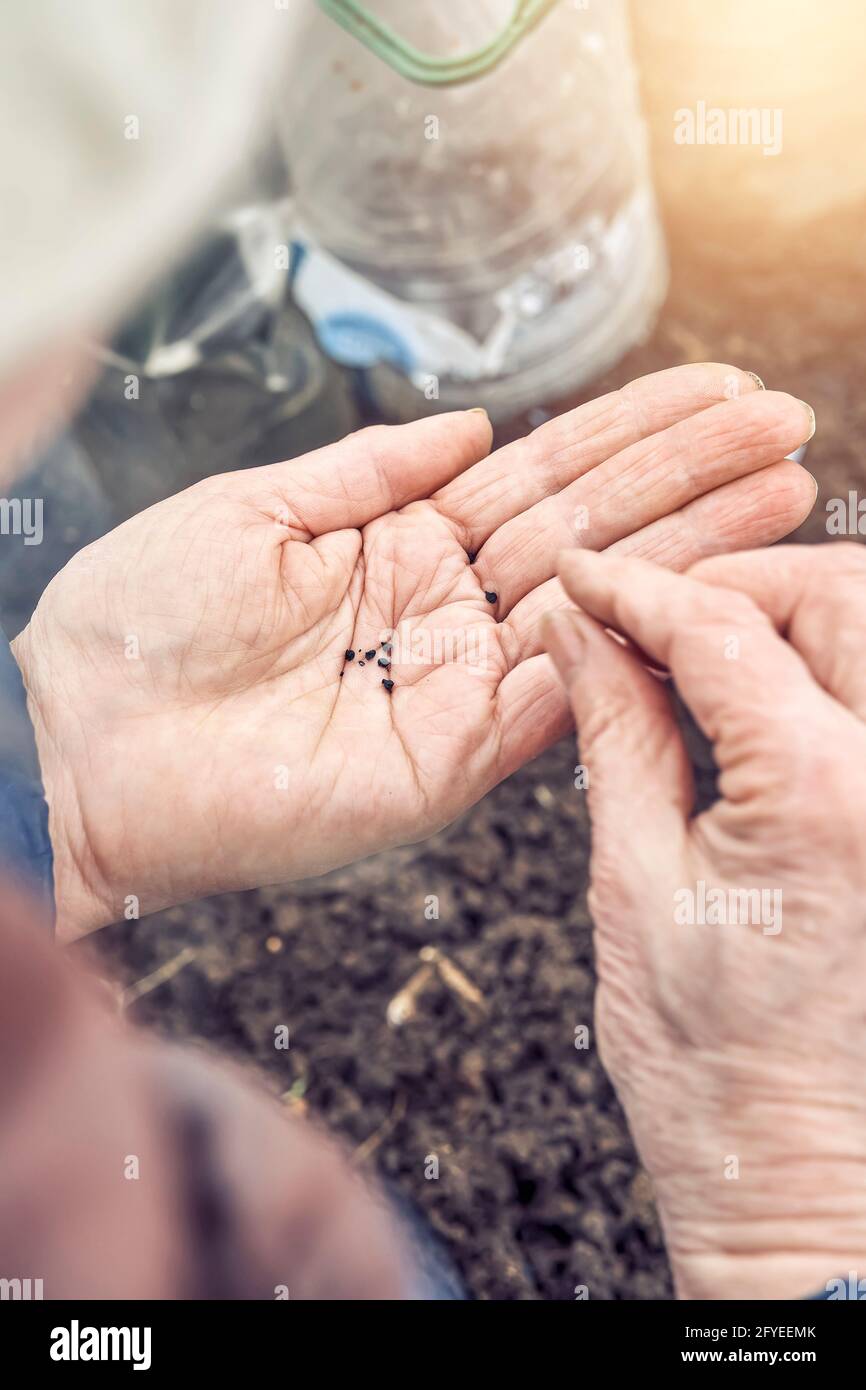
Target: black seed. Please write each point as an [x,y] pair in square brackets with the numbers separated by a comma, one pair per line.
[370,655]
[473,555]
[490,596]
[383,661]
[362,663]
[389,686]
[350,656]
[386,646]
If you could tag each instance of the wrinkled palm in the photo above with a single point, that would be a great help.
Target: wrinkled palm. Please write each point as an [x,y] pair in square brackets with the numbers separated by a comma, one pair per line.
[199,724]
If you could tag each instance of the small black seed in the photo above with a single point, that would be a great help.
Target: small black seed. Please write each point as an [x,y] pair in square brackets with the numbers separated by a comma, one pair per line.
[473,555]
[370,655]
[490,596]
[350,656]
[389,686]
[383,661]
[362,663]
[386,646]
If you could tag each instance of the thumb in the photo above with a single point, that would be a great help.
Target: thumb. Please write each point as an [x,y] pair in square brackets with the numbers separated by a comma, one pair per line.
[639,776]
[376,470]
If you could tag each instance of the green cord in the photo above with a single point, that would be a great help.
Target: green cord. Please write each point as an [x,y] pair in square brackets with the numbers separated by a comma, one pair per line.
[423,67]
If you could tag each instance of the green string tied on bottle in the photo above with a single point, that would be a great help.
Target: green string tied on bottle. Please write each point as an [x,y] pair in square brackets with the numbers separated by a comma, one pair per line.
[424,68]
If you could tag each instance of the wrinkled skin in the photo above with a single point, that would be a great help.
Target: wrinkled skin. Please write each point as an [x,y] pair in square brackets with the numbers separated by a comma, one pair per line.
[184,672]
[739,1049]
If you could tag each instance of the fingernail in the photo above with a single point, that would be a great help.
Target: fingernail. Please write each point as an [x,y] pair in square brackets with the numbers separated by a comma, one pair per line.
[757,380]
[477,410]
[565,642]
[812,423]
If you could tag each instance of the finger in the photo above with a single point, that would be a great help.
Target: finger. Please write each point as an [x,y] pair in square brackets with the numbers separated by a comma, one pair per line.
[753,511]
[816,597]
[731,667]
[652,479]
[520,634]
[531,711]
[373,471]
[638,773]
[520,474]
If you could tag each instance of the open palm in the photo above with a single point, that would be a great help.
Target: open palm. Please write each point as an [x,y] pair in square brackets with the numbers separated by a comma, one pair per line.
[199,723]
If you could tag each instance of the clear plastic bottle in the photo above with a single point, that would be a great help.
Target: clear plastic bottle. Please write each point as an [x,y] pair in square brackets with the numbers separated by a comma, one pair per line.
[494,242]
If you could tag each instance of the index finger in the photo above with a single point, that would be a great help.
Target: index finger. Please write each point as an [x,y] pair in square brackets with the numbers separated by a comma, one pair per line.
[730,665]
[815,596]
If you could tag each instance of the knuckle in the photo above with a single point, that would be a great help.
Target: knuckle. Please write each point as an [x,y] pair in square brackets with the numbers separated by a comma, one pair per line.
[833,600]
[371,438]
[745,610]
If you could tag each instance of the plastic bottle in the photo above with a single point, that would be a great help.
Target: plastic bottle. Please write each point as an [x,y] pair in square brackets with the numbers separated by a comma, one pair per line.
[494,242]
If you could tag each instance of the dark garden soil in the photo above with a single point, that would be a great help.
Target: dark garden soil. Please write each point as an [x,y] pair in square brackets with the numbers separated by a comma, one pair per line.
[539,1188]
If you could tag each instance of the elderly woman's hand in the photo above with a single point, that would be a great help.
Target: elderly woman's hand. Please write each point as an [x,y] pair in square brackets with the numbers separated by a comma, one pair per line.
[199,722]
[731,946]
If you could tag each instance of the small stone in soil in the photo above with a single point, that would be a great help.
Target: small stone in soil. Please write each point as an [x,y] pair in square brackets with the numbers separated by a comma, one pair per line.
[389,686]
[383,661]
[370,655]
[350,655]
[490,596]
